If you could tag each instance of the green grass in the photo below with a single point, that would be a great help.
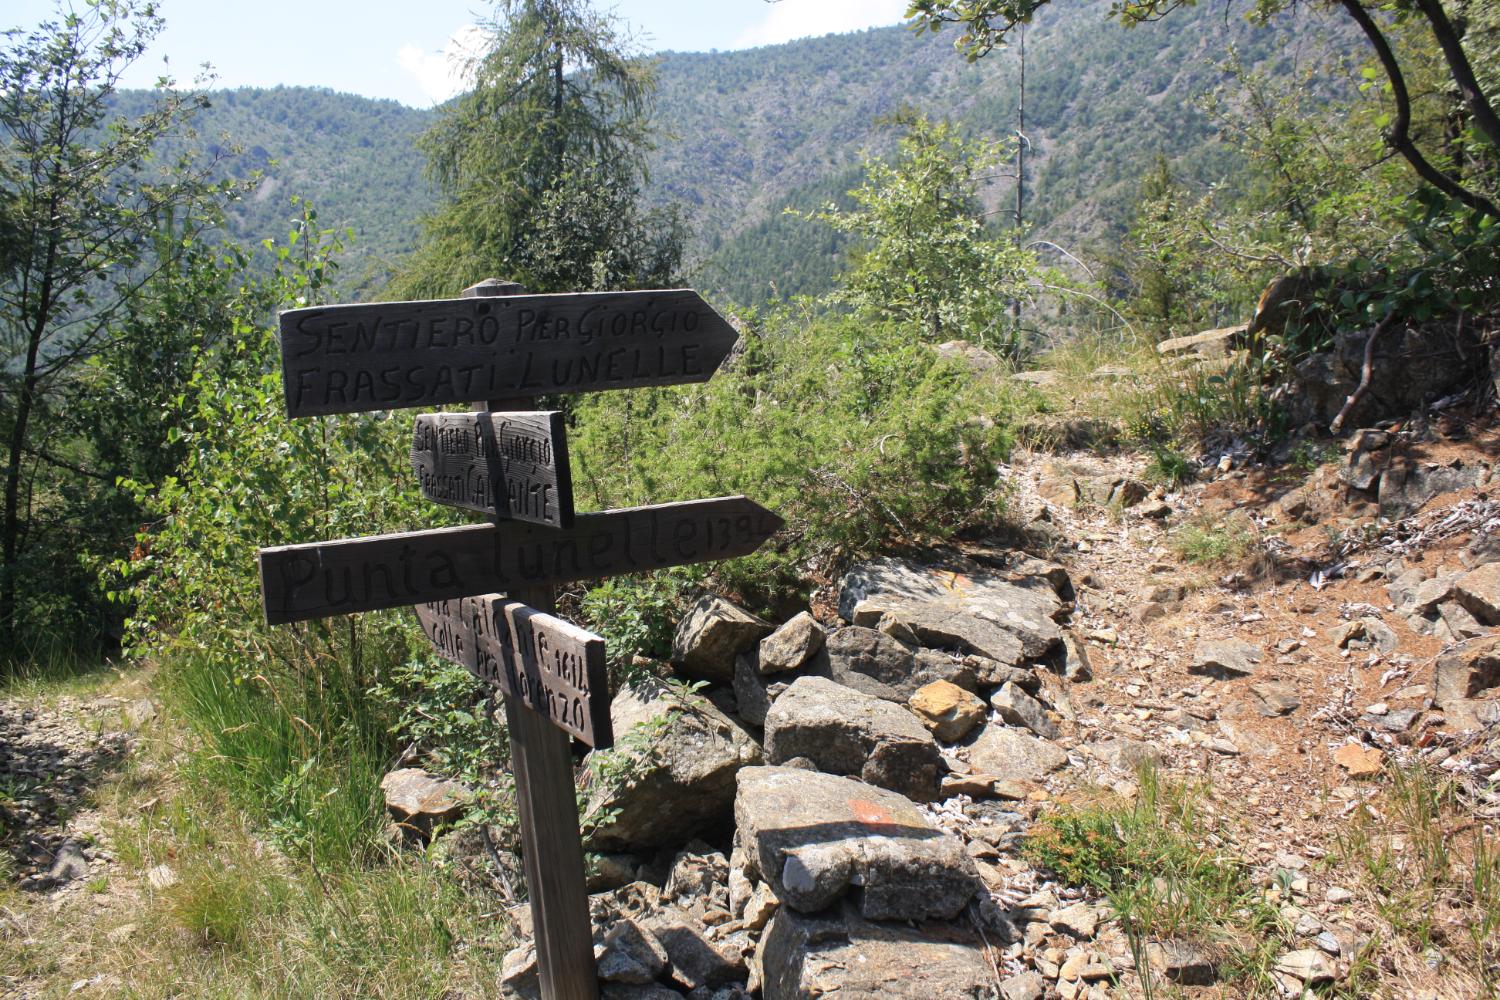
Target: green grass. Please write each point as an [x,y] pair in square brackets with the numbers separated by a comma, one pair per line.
[1150,859]
[303,753]
[47,672]
[1216,541]
[1432,874]
[244,923]
[269,900]
[1170,467]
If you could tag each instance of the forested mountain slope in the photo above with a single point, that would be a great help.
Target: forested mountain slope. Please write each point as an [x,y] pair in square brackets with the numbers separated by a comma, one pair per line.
[746,134]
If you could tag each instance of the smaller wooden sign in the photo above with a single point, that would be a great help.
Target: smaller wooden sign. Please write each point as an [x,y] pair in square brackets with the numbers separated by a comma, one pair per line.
[512,466]
[551,666]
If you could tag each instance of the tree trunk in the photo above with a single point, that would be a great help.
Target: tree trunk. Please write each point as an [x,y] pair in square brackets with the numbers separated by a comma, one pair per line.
[1399,134]
[1461,70]
[11,530]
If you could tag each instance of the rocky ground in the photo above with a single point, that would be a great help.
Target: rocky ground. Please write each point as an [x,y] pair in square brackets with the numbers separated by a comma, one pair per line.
[843,807]
[862,777]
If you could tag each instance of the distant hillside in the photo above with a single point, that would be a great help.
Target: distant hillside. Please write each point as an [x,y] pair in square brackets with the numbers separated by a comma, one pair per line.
[745,134]
[789,125]
[353,157]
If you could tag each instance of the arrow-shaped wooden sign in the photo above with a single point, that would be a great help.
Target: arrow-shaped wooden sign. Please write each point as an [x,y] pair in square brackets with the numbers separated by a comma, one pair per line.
[319,579]
[390,355]
[554,667]
[512,466]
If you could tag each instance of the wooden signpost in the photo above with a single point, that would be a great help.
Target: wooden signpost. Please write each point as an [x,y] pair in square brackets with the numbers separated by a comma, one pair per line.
[511,463]
[390,355]
[507,465]
[319,579]
[551,666]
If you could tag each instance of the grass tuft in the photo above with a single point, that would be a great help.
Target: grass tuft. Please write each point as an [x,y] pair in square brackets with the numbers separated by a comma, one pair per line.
[1432,873]
[1220,542]
[1152,860]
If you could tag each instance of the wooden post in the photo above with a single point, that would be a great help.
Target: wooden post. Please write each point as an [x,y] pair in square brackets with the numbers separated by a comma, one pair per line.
[552,848]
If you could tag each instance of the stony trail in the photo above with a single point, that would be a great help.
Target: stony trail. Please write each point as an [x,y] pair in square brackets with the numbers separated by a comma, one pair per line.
[843,808]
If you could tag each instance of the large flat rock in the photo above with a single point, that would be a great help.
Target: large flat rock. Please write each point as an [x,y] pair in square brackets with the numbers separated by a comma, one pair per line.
[840,955]
[845,732]
[683,781]
[1012,754]
[815,836]
[960,605]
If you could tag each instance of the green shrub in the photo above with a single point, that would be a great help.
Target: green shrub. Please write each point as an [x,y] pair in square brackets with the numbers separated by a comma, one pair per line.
[289,717]
[856,433]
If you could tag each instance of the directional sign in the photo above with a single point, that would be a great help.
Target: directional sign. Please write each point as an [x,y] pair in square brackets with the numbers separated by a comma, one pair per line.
[552,666]
[385,571]
[389,355]
[507,465]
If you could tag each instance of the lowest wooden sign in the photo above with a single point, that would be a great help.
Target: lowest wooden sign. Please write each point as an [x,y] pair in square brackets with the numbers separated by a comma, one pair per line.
[389,355]
[508,465]
[319,579]
[550,665]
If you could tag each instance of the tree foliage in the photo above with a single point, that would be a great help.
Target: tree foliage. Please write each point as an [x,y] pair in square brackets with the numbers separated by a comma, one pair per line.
[542,162]
[985,24]
[924,255]
[95,229]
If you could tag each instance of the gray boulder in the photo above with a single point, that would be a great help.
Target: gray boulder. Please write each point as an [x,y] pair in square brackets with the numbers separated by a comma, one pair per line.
[1403,589]
[1460,624]
[752,689]
[699,875]
[1012,754]
[1018,708]
[1465,678]
[1412,365]
[925,599]
[1273,698]
[1479,592]
[711,635]
[870,662]
[683,777]
[1225,659]
[840,955]
[1365,633]
[628,954]
[695,959]
[1125,754]
[874,663]
[1407,486]
[948,625]
[814,836]
[845,732]
[419,801]
[791,645]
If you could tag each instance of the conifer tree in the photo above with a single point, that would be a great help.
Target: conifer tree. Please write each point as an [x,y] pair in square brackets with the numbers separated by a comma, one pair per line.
[541,164]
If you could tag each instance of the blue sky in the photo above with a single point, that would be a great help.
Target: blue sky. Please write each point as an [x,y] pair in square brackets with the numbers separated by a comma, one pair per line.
[403,50]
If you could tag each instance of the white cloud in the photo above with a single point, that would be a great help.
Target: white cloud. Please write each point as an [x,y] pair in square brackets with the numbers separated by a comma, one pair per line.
[442,74]
[789,19]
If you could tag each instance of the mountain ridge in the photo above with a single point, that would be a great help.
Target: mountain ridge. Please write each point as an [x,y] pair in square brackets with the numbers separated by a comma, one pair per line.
[745,134]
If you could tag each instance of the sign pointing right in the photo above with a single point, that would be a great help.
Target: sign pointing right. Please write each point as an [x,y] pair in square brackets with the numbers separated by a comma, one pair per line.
[390,355]
[416,567]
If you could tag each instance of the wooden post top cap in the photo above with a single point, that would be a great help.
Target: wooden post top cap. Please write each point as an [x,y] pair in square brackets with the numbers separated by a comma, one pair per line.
[494,286]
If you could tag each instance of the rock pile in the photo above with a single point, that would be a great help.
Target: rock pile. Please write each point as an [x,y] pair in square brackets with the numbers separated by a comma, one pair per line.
[859,778]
